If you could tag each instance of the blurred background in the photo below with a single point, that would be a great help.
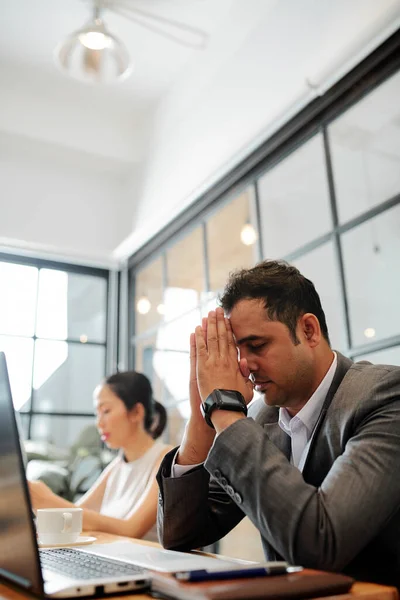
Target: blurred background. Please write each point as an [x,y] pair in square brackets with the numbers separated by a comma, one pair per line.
[149,147]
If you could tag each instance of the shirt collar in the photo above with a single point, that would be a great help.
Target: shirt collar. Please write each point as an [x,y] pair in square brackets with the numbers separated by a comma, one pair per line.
[310,412]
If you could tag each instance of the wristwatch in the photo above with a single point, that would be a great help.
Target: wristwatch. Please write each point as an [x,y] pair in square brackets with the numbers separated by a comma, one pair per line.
[222,400]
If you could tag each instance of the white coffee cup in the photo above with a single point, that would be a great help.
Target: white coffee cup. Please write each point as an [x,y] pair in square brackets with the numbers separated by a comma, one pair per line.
[58,525]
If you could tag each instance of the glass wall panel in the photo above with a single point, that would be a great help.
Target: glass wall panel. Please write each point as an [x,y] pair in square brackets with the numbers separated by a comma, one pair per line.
[388,356]
[177,417]
[210,304]
[320,266]
[18,304]
[185,275]
[365,149]
[372,270]
[19,356]
[144,363]
[65,376]
[72,306]
[61,431]
[226,250]
[149,301]
[24,423]
[171,359]
[294,200]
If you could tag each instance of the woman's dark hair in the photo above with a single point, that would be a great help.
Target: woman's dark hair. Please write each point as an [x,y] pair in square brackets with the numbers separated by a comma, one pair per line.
[132,387]
[286,293]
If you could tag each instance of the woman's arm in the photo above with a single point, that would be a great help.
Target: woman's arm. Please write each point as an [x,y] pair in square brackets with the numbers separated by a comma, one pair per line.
[138,522]
[43,497]
[135,525]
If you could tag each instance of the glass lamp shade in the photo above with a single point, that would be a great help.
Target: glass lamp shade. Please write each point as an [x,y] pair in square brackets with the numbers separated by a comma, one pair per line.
[93,55]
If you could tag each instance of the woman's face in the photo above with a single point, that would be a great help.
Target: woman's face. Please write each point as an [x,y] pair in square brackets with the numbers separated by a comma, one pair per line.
[115,424]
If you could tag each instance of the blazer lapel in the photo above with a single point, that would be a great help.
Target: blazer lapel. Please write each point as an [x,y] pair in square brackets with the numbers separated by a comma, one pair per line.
[279,438]
[343,365]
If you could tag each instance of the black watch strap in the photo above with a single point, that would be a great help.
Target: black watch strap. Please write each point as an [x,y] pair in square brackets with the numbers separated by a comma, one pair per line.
[221,399]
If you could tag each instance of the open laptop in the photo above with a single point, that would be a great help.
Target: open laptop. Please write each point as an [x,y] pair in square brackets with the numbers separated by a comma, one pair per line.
[21,561]
[74,571]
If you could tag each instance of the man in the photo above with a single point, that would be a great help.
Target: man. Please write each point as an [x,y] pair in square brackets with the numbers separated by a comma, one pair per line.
[317,471]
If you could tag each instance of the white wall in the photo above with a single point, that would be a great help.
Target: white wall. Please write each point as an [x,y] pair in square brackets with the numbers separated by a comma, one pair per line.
[68,204]
[244,86]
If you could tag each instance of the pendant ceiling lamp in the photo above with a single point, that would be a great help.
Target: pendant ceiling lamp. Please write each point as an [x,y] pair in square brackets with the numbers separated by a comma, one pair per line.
[95,55]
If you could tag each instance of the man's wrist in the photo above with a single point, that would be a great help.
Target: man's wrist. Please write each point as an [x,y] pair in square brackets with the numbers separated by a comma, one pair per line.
[221,399]
[222,419]
[196,443]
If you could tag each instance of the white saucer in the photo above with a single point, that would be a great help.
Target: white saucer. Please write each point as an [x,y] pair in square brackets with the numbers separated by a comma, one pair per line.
[81,541]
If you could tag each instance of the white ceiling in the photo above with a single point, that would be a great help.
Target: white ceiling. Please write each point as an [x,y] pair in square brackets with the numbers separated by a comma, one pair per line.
[112,121]
[30,30]
[112,152]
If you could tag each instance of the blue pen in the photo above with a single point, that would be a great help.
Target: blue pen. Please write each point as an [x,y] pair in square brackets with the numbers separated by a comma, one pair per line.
[234,573]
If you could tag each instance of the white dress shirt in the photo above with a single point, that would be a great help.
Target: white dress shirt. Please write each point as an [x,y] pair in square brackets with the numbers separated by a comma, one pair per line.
[301,426]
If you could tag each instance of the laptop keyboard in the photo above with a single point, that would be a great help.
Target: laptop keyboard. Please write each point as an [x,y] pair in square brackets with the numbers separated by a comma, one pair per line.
[80,565]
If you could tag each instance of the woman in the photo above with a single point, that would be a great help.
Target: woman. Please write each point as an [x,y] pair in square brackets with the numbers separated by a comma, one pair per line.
[123,500]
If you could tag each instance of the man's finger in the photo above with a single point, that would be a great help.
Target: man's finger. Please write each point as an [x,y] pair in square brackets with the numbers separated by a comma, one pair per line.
[222,333]
[232,348]
[204,326]
[192,357]
[212,336]
[201,347]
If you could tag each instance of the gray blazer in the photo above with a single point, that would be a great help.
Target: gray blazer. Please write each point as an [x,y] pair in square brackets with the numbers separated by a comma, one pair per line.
[341,514]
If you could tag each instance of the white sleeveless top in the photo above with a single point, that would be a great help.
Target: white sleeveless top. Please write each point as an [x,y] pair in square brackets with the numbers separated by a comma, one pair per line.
[127,483]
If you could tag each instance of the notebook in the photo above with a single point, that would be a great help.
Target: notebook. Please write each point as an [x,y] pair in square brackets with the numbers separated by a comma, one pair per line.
[306,584]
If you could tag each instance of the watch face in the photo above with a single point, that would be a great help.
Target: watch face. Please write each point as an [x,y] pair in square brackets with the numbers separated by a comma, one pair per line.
[223,400]
[230,395]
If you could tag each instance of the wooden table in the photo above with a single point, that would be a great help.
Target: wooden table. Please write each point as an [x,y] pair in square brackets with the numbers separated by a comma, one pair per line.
[359,591]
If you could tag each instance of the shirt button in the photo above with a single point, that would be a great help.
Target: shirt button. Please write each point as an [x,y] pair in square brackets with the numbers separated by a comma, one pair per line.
[238,498]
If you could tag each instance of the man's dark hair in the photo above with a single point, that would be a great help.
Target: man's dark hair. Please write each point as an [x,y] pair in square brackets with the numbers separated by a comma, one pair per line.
[286,293]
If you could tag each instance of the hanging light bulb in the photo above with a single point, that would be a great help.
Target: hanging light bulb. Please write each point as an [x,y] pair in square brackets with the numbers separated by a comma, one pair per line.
[143,305]
[369,332]
[93,54]
[248,234]
[161,309]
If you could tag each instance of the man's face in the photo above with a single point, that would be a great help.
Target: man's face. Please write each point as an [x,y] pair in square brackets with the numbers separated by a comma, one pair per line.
[282,370]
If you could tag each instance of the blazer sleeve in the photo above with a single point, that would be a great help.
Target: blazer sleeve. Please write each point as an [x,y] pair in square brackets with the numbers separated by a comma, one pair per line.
[193,510]
[322,527]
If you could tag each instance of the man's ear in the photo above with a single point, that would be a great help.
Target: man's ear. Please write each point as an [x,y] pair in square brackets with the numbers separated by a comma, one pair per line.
[310,328]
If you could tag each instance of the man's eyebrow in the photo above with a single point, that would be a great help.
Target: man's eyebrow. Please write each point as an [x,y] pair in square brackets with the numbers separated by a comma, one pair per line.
[248,338]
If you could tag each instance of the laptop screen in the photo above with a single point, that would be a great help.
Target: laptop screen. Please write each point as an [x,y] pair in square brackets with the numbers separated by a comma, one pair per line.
[19,558]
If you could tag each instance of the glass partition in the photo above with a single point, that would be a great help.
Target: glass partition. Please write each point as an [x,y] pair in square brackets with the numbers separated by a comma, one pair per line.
[294,200]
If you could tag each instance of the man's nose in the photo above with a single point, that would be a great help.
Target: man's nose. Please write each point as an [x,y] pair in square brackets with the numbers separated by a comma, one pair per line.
[251,360]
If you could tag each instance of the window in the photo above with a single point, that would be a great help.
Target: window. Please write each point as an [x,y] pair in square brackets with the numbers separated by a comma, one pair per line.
[365,146]
[186,279]
[149,307]
[53,332]
[372,271]
[226,248]
[294,200]
[321,267]
[388,356]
